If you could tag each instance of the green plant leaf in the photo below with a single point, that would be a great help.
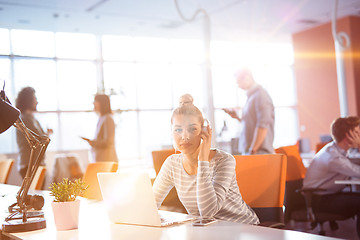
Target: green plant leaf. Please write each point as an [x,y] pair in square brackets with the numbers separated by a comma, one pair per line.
[66,190]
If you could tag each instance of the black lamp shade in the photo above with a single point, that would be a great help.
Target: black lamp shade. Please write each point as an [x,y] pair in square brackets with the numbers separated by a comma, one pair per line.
[8,115]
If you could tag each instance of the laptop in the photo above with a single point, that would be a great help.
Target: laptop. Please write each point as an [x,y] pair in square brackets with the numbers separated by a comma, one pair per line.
[129,199]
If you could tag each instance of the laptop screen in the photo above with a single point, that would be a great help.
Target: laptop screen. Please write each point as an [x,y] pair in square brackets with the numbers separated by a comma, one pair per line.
[129,198]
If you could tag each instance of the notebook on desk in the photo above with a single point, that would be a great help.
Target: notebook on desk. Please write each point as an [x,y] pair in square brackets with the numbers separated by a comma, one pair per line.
[129,199]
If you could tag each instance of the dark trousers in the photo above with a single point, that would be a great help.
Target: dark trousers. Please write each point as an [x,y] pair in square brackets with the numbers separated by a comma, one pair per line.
[344,203]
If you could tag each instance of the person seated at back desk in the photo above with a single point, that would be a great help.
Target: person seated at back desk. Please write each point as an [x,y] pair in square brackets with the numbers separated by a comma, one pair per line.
[204,178]
[332,163]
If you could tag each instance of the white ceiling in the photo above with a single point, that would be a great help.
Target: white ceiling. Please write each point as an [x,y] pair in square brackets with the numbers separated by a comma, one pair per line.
[237,20]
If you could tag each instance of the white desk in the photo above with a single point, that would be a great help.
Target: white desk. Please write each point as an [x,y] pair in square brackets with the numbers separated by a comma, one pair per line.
[93,224]
[351,182]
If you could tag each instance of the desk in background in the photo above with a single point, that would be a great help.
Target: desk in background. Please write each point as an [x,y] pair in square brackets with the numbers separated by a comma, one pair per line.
[354,184]
[351,182]
[309,156]
[94,224]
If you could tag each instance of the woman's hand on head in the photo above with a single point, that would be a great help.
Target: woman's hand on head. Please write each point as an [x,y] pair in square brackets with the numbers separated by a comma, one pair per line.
[205,144]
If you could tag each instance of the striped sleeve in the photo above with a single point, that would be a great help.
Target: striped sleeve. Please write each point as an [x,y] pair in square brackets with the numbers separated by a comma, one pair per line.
[212,190]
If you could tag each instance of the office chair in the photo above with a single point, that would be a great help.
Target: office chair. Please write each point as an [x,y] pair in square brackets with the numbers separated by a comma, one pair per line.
[90,178]
[316,217]
[159,156]
[39,179]
[66,166]
[261,180]
[298,201]
[171,201]
[295,173]
[5,169]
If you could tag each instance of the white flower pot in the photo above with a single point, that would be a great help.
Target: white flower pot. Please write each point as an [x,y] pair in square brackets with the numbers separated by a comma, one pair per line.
[66,214]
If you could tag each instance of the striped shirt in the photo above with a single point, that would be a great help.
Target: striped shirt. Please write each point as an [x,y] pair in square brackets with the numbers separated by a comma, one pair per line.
[212,192]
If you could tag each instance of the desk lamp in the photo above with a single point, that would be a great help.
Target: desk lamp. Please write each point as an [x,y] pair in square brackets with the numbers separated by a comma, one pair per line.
[28,221]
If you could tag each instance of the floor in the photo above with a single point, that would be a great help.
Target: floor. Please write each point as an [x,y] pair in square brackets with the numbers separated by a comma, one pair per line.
[347,229]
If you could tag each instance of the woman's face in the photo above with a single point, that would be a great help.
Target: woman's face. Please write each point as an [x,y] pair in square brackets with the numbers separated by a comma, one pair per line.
[96,106]
[186,133]
[34,104]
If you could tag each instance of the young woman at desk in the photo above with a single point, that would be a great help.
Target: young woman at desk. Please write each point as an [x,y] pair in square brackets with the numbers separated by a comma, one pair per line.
[204,178]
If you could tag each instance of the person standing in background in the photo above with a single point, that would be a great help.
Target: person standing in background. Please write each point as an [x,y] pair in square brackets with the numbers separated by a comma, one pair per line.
[103,145]
[26,102]
[258,116]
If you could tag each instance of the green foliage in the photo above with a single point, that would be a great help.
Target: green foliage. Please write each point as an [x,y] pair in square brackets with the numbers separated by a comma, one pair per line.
[66,190]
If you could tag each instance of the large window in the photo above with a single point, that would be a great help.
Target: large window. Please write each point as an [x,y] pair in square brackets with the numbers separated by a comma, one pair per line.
[39,74]
[32,43]
[76,46]
[145,78]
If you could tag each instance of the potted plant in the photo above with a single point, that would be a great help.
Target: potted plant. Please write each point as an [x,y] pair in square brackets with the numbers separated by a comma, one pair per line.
[66,205]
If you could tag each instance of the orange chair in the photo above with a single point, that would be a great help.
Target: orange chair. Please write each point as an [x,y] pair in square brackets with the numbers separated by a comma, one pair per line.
[39,178]
[295,167]
[294,202]
[261,180]
[172,201]
[90,178]
[159,156]
[5,169]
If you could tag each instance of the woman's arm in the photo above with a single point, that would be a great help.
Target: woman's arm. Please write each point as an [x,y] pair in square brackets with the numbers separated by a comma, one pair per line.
[211,192]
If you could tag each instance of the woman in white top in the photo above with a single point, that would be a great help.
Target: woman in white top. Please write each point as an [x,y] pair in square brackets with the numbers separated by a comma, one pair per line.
[204,178]
[103,145]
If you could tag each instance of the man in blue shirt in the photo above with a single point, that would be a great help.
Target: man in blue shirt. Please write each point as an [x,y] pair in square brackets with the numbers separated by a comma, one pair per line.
[332,163]
[257,118]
